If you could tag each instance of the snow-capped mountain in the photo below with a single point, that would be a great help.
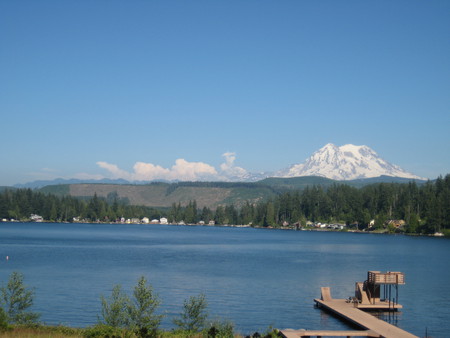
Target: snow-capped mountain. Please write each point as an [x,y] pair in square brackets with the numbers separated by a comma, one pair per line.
[347,162]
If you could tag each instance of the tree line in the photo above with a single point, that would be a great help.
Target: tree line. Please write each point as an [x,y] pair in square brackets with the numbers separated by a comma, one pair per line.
[424,208]
[19,204]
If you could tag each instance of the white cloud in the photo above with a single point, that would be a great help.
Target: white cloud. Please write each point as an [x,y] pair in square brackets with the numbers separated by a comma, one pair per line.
[147,172]
[182,170]
[191,171]
[115,171]
[229,169]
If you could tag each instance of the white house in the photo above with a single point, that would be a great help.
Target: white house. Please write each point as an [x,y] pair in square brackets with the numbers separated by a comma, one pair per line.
[36,218]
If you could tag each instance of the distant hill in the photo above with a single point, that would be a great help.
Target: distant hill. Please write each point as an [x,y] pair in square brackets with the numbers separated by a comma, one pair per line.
[3,188]
[294,183]
[382,179]
[206,194]
[59,181]
[209,194]
[283,183]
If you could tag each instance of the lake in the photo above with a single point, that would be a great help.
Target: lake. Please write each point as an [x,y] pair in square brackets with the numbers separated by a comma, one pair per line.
[255,278]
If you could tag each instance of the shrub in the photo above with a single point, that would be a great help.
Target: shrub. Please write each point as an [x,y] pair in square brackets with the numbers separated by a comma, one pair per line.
[102,330]
[142,310]
[137,315]
[220,329]
[193,317]
[17,299]
[3,320]
[115,309]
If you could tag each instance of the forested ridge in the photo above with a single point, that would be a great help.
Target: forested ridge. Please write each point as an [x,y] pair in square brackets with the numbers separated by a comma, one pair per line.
[424,208]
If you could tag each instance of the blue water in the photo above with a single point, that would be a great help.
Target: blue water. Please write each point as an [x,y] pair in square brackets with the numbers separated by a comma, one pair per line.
[253,277]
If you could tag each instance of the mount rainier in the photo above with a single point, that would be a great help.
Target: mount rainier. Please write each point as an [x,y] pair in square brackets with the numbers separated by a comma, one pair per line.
[347,162]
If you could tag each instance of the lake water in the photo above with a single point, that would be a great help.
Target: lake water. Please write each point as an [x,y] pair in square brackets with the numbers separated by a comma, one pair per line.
[254,278]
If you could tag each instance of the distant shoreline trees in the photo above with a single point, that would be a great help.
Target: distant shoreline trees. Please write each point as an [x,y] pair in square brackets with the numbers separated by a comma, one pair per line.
[423,208]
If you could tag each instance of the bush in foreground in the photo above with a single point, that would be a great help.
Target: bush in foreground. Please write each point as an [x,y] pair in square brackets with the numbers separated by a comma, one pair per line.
[15,301]
[194,315]
[137,315]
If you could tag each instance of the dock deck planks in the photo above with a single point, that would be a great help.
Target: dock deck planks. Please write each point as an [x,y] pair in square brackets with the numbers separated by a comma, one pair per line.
[326,333]
[350,310]
[363,319]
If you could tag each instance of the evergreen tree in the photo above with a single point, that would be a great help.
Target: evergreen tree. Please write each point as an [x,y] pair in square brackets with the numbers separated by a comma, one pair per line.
[16,299]
[194,315]
[142,309]
[219,217]
[115,308]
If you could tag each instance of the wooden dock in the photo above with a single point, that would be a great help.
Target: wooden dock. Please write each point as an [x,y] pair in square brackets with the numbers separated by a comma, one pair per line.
[370,325]
[325,333]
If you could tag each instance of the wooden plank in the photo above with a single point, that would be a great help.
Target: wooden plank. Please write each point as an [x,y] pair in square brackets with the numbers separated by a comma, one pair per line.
[326,293]
[380,306]
[363,319]
[328,333]
[364,298]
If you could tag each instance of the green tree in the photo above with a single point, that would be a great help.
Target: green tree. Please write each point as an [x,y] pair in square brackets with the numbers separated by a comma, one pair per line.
[16,299]
[194,315]
[247,213]
[190,212]
[53,212]
[219,217]
[3,320]
[142,309]
[206,215]
[115,308]
[270,215]
[221,329]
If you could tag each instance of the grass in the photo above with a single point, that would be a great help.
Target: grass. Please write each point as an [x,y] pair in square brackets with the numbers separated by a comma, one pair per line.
[67,332]
[41,331]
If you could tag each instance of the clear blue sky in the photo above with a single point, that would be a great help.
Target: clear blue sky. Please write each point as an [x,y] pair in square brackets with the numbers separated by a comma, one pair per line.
[90,88]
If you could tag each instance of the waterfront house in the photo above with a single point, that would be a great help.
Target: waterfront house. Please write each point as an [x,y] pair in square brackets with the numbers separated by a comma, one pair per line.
[36,218]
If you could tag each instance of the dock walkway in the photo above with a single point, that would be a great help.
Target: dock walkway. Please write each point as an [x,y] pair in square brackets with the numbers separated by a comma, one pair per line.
[288,333]
[370,325]
[363,319]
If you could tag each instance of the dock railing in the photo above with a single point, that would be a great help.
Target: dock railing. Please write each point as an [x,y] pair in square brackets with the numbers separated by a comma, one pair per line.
[390,277]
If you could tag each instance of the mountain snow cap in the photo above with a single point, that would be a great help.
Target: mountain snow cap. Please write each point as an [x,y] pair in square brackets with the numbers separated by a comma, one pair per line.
[347,162]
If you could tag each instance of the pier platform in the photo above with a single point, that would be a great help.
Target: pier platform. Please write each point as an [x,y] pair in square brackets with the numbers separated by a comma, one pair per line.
[373,294]
[326,333]
[363,319]
[370,325]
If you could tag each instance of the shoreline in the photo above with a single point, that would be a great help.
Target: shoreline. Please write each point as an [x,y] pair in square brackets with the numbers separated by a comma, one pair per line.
[284,228]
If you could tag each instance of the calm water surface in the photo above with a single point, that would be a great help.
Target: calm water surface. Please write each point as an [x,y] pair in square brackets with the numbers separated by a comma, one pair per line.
[252,277]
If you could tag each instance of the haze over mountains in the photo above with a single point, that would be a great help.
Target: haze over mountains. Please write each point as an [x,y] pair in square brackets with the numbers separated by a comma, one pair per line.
[347,162]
